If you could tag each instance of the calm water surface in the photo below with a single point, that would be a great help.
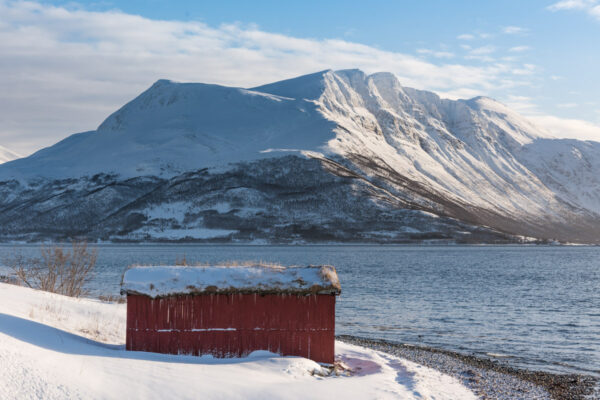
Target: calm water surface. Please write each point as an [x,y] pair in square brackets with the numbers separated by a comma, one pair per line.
[533,307]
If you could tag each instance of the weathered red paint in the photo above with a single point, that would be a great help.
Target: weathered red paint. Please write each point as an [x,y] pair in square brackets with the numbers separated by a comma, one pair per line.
[233,325]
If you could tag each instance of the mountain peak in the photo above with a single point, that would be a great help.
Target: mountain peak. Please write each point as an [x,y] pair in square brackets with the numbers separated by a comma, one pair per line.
[162,82]
[175,126]
[309,86]
[486,103]
[352,74]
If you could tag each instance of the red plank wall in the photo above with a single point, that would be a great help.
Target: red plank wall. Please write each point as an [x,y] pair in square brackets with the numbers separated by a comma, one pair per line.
[233,325]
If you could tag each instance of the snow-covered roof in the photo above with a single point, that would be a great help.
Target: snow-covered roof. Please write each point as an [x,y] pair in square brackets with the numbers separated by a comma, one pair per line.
[161,281]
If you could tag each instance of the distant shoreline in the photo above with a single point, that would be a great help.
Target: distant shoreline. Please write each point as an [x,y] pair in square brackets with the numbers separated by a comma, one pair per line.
[488,378]
[314,244]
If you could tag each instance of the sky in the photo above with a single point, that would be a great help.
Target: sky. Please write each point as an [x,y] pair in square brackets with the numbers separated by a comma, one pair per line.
[65,66]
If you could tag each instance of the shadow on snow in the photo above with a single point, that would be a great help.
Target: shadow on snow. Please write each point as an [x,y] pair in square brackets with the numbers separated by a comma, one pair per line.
[54,339]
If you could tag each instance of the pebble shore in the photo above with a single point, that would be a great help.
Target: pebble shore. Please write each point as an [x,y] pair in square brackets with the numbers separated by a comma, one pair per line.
[488,378]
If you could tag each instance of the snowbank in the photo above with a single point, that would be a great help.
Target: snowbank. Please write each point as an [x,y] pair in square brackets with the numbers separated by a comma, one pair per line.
[158,281]
[55,347]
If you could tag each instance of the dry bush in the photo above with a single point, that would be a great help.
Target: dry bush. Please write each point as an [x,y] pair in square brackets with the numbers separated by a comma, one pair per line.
[181,262]
[57,270]
[112,299]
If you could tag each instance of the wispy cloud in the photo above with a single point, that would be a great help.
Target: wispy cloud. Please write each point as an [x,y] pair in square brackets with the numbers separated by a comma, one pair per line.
[488,49]
[571,5]
[567,128]
[481,53]
[512,30]
[64,70]
[473,36]
[526,69]
[436,54]
[564,128]
[591,7]
[519,49]
[567,105]
[522,104]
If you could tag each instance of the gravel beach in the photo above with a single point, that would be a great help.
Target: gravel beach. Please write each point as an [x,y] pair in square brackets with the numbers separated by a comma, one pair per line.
[487,378]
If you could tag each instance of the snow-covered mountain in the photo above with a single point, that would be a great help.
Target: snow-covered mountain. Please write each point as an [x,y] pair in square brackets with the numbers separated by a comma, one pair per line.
[340,156]
[7,155]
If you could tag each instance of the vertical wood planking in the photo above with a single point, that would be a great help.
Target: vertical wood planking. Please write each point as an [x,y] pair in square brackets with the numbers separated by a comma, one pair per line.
[233,325]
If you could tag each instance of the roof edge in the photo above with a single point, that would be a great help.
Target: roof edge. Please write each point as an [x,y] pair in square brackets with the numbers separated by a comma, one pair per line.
[171,281]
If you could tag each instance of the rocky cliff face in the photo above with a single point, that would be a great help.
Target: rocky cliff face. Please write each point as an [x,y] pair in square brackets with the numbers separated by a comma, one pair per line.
[332,156]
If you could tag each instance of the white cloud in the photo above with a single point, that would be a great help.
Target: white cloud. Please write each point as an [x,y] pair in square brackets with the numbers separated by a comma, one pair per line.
[567,128]
[484,59]
[466,36]
[526,69]
[570,5]
[461,93]
[64,70]
[591,7]
[521,104]
[519,49]
[488,49]
[436,54]
[512,30]
[562,128]
[481,53]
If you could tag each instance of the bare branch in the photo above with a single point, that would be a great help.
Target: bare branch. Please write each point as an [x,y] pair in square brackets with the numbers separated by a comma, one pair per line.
[57,270]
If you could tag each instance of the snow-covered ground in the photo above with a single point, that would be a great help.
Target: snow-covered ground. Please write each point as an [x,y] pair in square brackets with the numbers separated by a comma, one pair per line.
[55,347]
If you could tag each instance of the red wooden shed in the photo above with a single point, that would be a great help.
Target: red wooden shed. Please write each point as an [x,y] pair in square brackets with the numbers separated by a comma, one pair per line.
[232,311]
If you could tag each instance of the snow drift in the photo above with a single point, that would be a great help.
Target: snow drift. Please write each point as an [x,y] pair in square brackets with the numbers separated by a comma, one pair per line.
[40,331]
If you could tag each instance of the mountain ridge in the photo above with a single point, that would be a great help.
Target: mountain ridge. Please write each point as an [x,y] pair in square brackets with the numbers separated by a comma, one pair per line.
[474,161]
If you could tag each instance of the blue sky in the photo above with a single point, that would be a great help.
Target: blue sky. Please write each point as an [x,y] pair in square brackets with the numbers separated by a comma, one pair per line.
[66,65]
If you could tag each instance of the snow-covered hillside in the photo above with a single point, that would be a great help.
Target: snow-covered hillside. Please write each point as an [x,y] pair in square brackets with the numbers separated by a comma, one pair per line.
[7,155]
[57,347]
[176,127]
[328,156]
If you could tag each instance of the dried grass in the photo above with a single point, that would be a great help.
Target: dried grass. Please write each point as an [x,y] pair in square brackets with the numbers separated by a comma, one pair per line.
[113,299]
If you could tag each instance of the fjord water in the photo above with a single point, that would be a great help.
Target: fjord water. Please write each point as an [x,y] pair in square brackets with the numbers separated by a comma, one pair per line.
[533,307]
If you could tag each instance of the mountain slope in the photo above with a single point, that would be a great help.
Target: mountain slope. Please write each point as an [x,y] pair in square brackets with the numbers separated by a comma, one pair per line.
[473,156]
[176,127]
[340,156]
